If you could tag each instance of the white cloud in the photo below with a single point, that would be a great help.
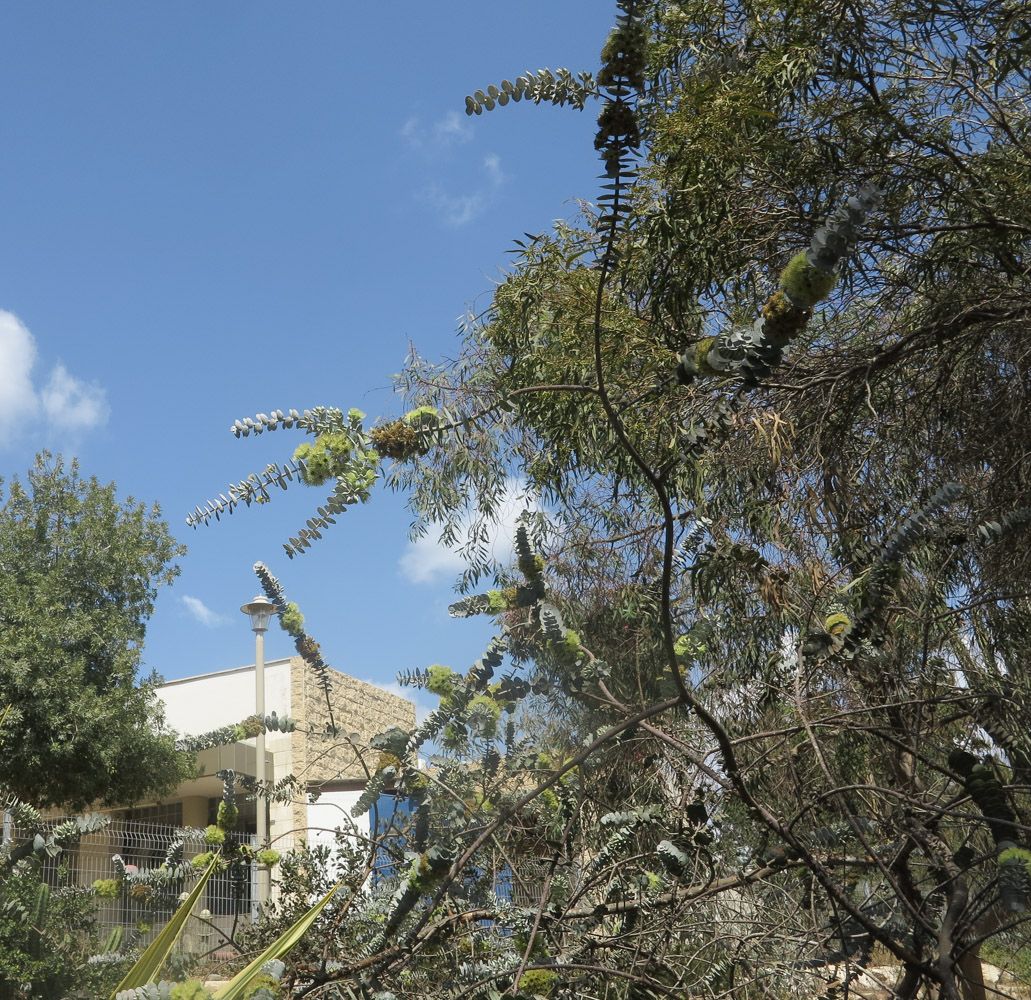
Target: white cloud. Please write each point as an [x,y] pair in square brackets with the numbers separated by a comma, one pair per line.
[492,164]
[427,560]
[71,404]
[438,136]
[68,403]
[458,210]
[436,143]
[202,613]
[452,128]
[18,399]
[410,132]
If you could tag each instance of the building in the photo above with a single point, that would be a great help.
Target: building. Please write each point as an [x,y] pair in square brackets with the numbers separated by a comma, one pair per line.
[334,767]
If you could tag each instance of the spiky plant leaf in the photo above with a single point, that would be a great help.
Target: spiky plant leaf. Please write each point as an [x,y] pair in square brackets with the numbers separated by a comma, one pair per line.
[150,962]
[239,986]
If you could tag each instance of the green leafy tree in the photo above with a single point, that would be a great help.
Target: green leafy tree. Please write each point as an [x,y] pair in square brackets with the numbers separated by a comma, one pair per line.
[78,575]
[776,389]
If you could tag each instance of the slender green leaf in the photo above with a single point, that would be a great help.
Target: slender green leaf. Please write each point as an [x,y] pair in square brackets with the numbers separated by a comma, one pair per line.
[238,986]
[150,963]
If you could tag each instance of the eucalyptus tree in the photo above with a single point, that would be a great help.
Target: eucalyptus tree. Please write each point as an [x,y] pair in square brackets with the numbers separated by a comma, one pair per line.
[774,391]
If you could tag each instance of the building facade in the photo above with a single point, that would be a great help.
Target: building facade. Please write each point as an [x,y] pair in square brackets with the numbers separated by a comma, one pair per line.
[334,767]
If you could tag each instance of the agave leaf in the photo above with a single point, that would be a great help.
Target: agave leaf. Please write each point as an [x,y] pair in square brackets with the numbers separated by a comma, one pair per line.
[239,985]
[150,962]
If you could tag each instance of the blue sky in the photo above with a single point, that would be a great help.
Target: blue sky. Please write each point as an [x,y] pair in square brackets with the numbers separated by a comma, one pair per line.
[213,210]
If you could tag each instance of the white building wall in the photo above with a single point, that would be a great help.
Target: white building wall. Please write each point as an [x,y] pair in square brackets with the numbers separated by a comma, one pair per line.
[332,812]
[199,704]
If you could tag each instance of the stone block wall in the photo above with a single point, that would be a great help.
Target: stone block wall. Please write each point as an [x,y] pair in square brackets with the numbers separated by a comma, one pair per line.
[359,708]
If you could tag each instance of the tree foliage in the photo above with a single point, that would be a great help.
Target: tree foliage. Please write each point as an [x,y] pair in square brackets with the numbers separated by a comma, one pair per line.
[757,706]
[79,575]
[47,937]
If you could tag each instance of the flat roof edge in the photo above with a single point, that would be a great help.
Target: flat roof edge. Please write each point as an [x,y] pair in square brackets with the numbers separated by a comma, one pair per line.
[222,673]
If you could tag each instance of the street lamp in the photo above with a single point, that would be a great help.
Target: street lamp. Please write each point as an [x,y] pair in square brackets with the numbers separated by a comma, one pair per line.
[260,612]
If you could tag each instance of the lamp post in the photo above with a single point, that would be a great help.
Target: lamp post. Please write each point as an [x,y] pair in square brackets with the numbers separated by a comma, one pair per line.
[260,612]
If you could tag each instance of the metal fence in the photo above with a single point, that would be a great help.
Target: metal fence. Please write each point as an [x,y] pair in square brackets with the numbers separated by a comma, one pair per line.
[145,845]
[224,904]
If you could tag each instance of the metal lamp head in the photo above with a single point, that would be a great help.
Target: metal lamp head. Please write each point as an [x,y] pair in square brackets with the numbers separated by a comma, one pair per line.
[260,611]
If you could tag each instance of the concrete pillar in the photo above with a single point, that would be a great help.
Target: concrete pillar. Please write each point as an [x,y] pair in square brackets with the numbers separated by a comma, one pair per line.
[195,811]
